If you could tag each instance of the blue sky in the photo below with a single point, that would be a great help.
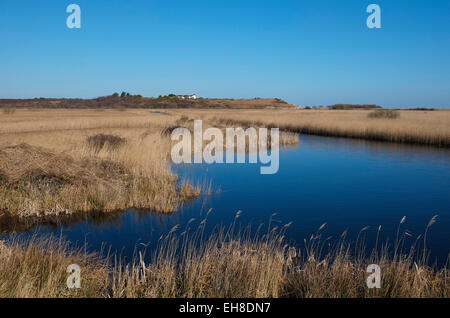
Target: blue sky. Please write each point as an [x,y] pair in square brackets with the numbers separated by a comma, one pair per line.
[306,52]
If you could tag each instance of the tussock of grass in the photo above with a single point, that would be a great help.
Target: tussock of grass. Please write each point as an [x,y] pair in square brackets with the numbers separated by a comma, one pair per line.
[384,113]
[99,141]
[167,131]
[25,163]
[36,183]
[229,263]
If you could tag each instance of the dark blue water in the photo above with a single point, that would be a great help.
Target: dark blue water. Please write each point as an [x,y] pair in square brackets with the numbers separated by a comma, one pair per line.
[349,184]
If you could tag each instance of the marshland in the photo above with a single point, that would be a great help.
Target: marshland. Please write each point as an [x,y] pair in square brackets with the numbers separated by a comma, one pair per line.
[96,187]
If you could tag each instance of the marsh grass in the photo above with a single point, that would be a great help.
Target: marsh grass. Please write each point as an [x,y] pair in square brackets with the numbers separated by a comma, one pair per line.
[412,127]
[37,182]
[59,163]
[229,262]
[286,139]
[48,168]
[37,268]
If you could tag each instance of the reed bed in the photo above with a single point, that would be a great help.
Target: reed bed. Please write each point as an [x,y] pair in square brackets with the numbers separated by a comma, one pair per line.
[286,139]
[413,127]
[48,166]
[128,152]
[37,268]
[229,263]
[61,162]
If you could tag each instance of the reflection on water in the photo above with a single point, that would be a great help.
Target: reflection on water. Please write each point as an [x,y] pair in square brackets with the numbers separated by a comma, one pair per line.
[350,184]
[390,151]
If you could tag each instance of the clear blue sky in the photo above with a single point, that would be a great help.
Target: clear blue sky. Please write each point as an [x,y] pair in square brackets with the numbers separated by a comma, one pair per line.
[306,52]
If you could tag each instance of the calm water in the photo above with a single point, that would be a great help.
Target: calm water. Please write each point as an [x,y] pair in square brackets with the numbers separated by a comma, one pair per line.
[349,184]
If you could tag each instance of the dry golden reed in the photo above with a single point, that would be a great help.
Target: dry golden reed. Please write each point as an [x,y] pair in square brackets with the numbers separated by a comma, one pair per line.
[415,127]
[63,162]
[229,263]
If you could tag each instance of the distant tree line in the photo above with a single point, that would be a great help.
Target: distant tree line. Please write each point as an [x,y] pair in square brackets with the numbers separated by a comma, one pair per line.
[125,94]
[354,106]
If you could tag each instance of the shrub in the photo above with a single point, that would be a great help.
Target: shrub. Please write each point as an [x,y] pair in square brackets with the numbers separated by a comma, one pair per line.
[384,113]
[98,142]
[353,106]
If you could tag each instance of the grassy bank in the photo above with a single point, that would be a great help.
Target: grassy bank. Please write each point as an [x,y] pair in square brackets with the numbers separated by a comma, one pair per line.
[403,126]
[229,263]
[60,162]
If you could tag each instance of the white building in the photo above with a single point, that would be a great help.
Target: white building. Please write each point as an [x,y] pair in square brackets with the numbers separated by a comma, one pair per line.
[193,96]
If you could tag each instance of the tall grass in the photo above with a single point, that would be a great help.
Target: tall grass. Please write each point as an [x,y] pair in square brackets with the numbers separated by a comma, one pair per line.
[64,162]
[414,127]
[229,262]
[37,268]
